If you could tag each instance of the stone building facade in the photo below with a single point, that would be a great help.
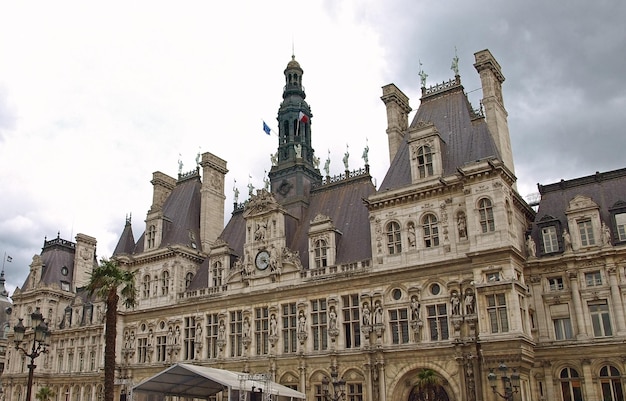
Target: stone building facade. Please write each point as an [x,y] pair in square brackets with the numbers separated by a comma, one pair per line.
[444,267]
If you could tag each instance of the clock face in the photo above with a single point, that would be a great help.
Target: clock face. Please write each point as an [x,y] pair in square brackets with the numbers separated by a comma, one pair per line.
[262,260]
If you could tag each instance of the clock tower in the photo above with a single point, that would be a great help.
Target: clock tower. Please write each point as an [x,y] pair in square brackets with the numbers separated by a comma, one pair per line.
[295,168]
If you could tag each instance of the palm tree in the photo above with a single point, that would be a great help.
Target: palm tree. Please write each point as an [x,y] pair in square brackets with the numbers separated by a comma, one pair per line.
[428,387]
[110,282]
[45,394]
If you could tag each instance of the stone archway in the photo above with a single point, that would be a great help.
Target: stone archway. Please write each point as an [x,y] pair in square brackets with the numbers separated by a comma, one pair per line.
[438,393]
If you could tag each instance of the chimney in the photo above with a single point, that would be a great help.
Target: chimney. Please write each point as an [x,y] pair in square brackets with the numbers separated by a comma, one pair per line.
[398,110]
[495,114]
[84,259]
[212,199]
[162,188]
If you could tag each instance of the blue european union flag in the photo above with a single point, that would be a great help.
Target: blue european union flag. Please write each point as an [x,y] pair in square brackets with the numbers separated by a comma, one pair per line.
[266,128]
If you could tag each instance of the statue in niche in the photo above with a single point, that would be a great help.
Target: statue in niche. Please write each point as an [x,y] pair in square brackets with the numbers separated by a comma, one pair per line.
[411,234]
[606,234]
[462,225]
[455,303]
[301,322]
[221,331]
[245,330]
[367,318]
[378,314]
[273,326]
[298,148]
[531,247]
[274,158]
[415,308]
[469,302]
[332,318]
[567,241]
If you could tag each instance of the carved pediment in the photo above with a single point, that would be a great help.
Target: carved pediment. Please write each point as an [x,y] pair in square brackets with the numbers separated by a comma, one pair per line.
[261,203]
[581,202]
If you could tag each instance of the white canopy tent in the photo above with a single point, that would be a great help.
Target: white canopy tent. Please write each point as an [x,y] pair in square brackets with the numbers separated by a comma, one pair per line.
[185,380]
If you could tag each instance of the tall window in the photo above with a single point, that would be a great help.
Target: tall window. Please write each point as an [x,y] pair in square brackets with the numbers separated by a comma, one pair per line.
[161,348]
[290,327]
[165,282]
[351,320]
[217,274]
[570,385]
[431,230]
[188,279]
[321,250]
[146,286]
[600,319]
[563,328]
[212,332]
[611,383]
[354,391]
[151,235]
[497,312]
[556,283]
[425,161]
[620,223]
[485,210]
[394,240]
[550,239]
[190,338]
[399,324]
[319,326]
[586,233]
[262,330]
[236,330]
[438,322]
[142,350]
[593,279]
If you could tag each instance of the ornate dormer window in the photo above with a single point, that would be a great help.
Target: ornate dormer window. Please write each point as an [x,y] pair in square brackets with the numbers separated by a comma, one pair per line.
[618,221]
[550,239]
[426,149]
[322,242]
[583,219]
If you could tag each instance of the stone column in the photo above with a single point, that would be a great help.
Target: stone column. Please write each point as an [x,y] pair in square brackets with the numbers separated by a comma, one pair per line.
[381,381]
[581,331]
[618,304]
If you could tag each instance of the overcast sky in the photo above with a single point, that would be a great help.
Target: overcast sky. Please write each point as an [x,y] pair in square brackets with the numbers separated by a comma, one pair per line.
[96,97]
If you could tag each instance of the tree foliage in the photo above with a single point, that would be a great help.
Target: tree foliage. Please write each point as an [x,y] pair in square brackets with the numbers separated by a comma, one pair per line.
[111,283]
[45,394]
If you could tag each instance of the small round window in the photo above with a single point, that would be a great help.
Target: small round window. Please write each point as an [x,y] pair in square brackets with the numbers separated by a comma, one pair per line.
[435,289]
[64,270]
[396,294]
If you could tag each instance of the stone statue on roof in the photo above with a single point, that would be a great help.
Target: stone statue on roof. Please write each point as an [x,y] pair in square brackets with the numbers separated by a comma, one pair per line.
[422,75]
[365,152]
[236,191]
[346,156]
[180,164]
[455,64]
[327,165]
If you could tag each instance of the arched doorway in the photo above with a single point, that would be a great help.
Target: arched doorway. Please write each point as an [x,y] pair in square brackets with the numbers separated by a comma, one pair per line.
[428,387]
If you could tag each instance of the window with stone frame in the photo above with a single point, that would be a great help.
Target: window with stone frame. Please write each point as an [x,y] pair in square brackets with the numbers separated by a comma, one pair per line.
[319,324]
[571,385]
[425,161]
[321,253]
[618,219]
[165,282]
[498,313]
[394,238]
[212,332]
[190,338]
[438,321]
[600,319]
[142,350]
[563,328]
[146,286]
[611,383]
[549,239]
[151,236]
[485,211]
[430,229]
[236,333]
[161,348]
[399,325]
[585,230]
[262,330]
[555,283]
[351,321]
[593,279]
[354,391]
[188,279]
[216,274]
[290,327]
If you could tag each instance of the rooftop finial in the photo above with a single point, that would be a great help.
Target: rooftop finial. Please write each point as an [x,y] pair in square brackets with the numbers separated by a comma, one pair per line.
[422,75]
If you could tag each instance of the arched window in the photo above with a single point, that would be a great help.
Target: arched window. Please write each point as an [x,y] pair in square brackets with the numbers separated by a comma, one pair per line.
[188,279]
[425,161]
[394,240]
[611,384]
[146,286]
[165,282]
[151,235]
[217,274]
[321,250]
[485,210]
[570,385]
[431,231]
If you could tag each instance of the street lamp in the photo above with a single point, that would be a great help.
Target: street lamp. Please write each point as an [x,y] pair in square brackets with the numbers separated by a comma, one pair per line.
[40,330]
[510,383]
[339,387]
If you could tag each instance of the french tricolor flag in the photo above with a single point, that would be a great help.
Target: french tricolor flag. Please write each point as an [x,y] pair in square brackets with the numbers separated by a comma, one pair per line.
[303,117]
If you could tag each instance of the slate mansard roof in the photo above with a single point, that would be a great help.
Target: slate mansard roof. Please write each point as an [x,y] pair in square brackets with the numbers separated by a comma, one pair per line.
[464,133]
